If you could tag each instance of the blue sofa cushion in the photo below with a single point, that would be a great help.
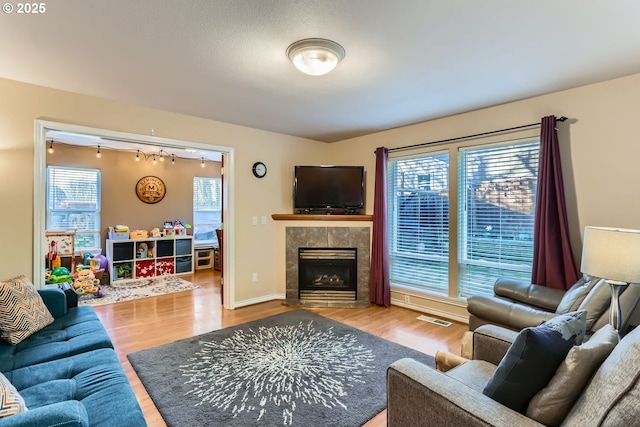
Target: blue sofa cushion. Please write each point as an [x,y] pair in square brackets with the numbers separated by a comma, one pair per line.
[76,332]
[64,414]
[56,301]
[95,379]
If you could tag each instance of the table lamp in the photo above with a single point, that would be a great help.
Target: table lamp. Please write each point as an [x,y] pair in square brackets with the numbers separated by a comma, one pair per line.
[614,255]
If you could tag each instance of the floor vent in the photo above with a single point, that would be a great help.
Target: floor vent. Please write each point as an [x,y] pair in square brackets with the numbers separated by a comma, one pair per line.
[435,321]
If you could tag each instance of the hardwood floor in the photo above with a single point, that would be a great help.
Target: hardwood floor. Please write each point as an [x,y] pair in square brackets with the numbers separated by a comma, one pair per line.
[149,322]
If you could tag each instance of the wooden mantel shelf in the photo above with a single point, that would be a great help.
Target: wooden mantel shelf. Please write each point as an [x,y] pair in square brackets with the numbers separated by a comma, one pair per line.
[303,217]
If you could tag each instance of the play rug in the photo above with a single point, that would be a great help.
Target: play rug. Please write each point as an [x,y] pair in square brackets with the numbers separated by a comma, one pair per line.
[135,289]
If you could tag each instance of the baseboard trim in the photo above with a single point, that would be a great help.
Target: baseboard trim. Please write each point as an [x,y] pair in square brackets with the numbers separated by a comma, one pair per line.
[258,300]
[433,311]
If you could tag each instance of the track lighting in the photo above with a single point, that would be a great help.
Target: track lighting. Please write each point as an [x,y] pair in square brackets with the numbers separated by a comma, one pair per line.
[50,149]
[161,156]
[202,164]
[154,159]
[173,159]
[98,154]
[138,156]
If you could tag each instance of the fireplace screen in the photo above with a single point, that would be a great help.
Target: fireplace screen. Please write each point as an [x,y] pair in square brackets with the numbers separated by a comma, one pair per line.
[327,269]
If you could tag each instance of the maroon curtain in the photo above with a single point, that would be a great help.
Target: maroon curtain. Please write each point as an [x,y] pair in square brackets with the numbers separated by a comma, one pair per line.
[553,263]
[379,289]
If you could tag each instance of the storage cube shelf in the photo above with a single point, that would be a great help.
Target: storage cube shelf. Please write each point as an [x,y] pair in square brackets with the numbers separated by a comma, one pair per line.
[150,257]
[204,258]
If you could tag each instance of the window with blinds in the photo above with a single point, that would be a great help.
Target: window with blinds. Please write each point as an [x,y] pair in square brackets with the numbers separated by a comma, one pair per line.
[497,188]
[419,222]
[73,204]
[207,210]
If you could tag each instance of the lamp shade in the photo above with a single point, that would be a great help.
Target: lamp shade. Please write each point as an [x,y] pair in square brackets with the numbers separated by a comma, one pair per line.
[612,254]
[315,56]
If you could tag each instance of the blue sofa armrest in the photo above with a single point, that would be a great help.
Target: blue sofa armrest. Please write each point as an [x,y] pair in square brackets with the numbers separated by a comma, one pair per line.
[69,413]
[55,300]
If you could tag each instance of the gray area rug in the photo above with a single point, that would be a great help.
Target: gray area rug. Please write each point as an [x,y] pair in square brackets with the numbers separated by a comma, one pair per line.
[296,368]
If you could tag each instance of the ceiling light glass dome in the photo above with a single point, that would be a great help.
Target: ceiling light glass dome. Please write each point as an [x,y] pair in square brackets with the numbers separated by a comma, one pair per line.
[315,56]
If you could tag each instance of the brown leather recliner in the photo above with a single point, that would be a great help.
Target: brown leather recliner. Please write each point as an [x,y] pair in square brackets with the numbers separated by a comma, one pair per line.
[517,305]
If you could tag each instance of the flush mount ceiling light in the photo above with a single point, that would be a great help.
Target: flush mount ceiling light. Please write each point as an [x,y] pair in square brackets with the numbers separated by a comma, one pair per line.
[315,56]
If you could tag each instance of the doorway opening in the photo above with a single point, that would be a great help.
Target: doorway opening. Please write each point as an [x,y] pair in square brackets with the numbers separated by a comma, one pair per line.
[75,135]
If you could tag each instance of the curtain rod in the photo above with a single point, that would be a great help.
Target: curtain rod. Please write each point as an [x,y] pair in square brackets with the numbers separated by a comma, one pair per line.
[424,144]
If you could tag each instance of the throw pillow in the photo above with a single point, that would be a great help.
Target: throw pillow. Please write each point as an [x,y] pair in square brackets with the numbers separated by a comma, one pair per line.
[22,311]
[533,358]
[11,402]
[552,404]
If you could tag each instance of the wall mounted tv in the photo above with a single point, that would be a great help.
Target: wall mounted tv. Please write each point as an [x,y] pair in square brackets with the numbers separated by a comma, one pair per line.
[328,189]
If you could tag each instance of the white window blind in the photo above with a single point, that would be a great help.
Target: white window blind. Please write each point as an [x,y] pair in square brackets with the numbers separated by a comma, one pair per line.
[419,222]
[207,210]
[497,211]
[73,204]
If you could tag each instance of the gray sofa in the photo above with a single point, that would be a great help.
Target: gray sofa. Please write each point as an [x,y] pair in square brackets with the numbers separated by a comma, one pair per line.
[516,305]
[420,396]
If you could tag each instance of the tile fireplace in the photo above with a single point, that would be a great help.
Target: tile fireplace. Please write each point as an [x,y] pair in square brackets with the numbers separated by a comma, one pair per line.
[327,266]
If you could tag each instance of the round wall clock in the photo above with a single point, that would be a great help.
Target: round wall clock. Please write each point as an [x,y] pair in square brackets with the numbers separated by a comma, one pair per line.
[259,169]
[150,189]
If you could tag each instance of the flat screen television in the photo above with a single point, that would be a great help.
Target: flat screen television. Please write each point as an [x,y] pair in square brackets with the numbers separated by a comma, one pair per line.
[328,189]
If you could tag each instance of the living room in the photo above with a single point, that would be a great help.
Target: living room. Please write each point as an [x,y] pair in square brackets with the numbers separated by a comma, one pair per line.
[596,143]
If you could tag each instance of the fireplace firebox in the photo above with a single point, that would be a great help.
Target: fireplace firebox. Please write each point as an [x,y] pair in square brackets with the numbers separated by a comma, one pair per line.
[327,273]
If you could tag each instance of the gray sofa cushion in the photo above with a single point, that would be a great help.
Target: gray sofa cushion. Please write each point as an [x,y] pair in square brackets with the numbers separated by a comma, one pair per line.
[551,404]
[612,396]
[572,299]
[473,373]
[596,302]
[533,358]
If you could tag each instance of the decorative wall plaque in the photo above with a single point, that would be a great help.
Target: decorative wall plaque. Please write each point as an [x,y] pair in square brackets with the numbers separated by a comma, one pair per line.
[150,189]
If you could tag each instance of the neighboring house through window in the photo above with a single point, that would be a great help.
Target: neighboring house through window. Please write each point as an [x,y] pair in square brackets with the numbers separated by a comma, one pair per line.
[495,195]
[207,210]
[73,204]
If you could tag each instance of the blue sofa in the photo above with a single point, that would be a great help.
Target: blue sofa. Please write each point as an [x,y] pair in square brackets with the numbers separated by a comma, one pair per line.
[68,373]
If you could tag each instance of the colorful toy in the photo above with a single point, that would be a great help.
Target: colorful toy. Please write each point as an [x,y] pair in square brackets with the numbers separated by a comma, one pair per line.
[143,250]
[52,256]
[58,275]
[86,283]
[103,262]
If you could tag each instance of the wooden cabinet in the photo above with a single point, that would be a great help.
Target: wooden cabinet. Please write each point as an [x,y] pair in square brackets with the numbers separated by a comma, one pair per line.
[149,257]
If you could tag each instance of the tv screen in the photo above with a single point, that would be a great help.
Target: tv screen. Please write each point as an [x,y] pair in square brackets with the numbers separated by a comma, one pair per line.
[326,189]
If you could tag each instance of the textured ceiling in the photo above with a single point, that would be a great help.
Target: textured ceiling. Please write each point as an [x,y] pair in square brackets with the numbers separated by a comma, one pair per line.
[406,61]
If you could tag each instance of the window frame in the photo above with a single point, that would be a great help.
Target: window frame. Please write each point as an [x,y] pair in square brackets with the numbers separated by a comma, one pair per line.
[456,220]
[213,242]
[498,269]
[97,212]
[394,207]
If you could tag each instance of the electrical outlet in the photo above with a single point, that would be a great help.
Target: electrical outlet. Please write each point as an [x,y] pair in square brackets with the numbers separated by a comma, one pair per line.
[407,299]
[264,220]
[254,277]
[254,220]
